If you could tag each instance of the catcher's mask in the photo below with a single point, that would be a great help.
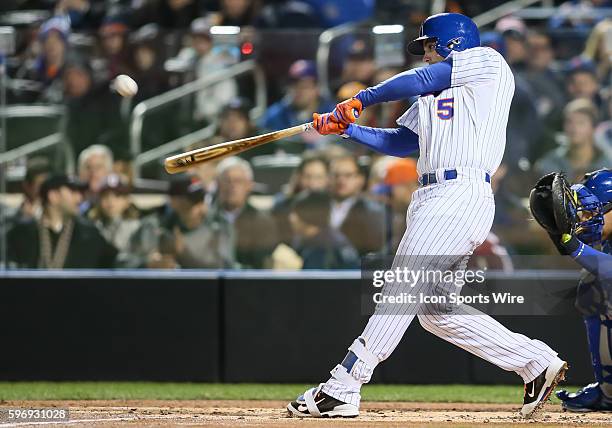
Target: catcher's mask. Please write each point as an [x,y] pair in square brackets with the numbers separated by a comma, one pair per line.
[589,215]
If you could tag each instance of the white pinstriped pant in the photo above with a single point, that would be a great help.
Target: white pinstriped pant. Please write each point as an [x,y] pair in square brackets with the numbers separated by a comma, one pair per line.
[451,218]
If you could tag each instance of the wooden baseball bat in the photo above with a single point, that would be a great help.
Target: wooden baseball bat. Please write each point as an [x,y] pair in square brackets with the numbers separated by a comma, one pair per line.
[183,161]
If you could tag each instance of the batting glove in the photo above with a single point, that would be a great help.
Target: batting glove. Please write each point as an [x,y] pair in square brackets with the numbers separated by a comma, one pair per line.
[348,111]
[326,124]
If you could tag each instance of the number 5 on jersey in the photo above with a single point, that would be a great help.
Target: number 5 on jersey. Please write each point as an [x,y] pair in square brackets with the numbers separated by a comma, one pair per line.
[445,108]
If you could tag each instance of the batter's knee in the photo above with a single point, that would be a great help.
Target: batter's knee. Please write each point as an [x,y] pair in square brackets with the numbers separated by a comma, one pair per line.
[429,322]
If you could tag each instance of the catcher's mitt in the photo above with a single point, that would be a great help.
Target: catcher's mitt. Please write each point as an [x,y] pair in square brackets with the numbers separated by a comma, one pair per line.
[553,204]
[541,205]
[565,205]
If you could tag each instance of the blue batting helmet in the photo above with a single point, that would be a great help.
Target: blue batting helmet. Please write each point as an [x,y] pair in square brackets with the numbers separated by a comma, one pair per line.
[600,184]
[452,32]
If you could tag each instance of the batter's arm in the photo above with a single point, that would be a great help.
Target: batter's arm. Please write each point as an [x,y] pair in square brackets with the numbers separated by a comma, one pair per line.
[398,142]
[596,262]
[418,81]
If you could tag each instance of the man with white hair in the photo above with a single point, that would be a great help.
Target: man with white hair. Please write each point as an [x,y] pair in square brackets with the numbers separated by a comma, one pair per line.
[254,230]
[95,164]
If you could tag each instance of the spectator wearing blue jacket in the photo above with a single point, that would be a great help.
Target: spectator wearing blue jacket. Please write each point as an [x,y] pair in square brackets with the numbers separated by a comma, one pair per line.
[302,99]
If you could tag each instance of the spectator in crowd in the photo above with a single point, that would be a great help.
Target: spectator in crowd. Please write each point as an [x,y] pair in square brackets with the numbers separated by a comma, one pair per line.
[542,75]
[168,14]
[49,65]
[94,116]
[235,124]
[38,170]
[115,57]
[359,65]
[581,82]
[95,164]
[401,180]
[255,234]
[603,132]
[311,174]
[148,65]
[319,246]
[303,98]
[376,178]
[83,14]
[203,59]
[238,13]
[234,121]
[351,212]
[206,172]
[292,14]
[524,126]
[513,31]
[577,14]
[337,12]
[182,234]
[115,215]
[599,50]
[546,86]
[579,155]
[61,239]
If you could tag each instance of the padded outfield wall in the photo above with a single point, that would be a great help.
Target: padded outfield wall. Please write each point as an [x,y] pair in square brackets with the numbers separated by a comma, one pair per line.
[216,326]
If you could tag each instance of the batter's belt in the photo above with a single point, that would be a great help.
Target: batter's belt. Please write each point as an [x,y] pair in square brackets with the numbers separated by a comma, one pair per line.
[441,175]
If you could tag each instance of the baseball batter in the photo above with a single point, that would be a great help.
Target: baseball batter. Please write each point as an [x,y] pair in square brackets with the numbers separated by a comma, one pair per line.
[458,125]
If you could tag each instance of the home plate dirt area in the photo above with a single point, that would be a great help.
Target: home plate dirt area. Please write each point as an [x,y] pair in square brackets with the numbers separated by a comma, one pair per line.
[234,413]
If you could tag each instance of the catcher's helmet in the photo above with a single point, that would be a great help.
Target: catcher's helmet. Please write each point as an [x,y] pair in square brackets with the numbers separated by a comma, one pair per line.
[589,214]
[452,32]
[600,184]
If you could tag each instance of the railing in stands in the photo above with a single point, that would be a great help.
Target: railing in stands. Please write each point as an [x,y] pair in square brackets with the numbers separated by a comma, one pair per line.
[56,139]
[323,51]
[147,106]
[549,12]
[504,9]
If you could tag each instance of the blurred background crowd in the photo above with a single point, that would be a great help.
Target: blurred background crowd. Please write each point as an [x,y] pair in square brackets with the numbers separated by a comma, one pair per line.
[311,202]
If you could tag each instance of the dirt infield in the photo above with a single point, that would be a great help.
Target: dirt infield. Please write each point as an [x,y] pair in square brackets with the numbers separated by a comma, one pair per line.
[152,413]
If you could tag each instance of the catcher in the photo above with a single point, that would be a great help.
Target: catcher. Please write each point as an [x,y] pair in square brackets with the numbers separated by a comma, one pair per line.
[578,219]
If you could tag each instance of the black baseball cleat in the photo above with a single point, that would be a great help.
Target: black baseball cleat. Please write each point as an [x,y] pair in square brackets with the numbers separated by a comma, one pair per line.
[538,390]
[314,403]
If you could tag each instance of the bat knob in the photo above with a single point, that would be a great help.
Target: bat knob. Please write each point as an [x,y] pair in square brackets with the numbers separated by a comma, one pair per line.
[355,113]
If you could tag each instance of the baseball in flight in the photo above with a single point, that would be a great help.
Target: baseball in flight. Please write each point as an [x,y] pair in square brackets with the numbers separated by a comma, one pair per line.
[125,86]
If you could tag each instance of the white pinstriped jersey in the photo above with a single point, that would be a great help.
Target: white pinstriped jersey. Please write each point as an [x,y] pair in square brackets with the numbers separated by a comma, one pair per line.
[462,128]
[465,125]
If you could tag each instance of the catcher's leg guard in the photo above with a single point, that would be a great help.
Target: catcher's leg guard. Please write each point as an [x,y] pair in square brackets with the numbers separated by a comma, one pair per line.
[599,333]
[596,396]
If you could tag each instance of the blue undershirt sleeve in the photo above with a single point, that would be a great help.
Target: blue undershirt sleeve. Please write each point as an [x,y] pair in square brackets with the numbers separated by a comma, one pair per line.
[398,142]
[419,81]
[596,262]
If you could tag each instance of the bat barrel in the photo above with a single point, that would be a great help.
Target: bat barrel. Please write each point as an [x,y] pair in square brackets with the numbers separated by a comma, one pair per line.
[178,163]
[184,161]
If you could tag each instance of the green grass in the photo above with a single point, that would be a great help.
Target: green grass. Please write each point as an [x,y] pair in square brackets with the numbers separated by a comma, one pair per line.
[216,391]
